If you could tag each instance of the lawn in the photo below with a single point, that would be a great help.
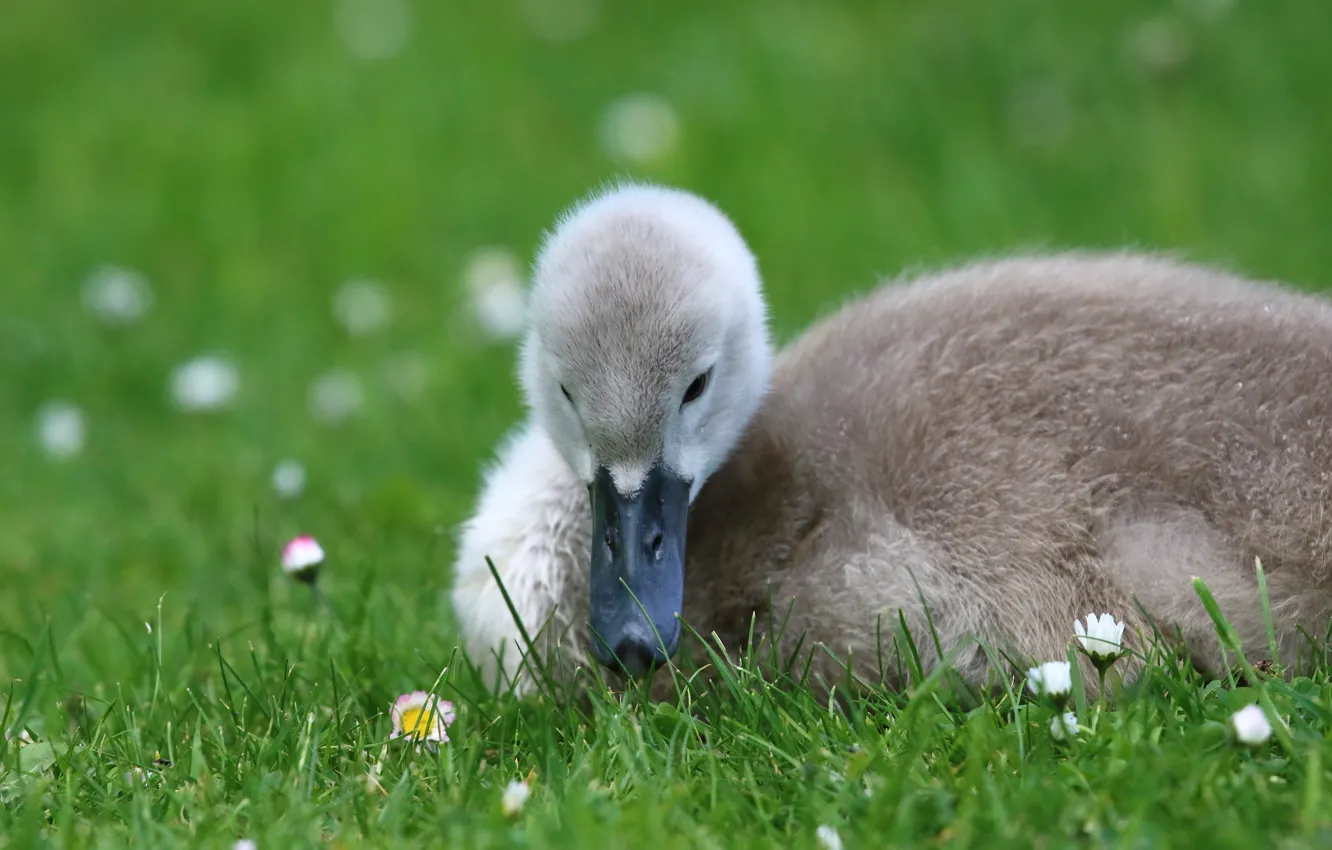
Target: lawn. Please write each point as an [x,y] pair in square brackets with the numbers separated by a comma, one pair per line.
[231,167]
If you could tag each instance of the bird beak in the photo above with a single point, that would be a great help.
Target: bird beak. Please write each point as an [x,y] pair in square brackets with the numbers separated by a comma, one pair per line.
[637,577]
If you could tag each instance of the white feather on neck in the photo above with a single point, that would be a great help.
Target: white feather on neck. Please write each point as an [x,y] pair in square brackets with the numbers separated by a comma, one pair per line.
[532,520]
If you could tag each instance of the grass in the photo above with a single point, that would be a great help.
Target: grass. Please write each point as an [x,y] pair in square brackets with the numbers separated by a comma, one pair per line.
[241,158]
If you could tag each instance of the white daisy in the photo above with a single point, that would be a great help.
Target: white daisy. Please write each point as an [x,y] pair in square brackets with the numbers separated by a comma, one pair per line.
[515,797]
[1251,725]
[362,306]
[302,556]
[204,383]
[1052,679]
[422,717]
[640,128]
[1064,726]
[494,282]
[289,478]
[117,295]
[1102,636]
[828,838]
[335,396]
[61,428]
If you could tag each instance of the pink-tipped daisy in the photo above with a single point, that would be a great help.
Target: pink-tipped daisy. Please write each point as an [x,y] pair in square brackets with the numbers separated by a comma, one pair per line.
[301,557]
[422,717]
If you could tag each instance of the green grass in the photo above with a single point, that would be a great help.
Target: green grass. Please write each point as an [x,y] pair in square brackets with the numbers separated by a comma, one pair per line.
[238,156]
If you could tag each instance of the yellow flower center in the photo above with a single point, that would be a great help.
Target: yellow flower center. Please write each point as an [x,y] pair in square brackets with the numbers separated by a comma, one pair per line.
[416,722]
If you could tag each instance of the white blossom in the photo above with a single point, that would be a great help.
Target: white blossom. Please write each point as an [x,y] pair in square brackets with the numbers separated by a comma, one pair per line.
[61,429]
[494,283]
[640,128]
[1063,725]
[204,383]
[1102,636]
[422,717]
[362,306]
[116,295]
[335,395]
[289,478]
[1053,679]
[302,555]
[1251,725]
[828,838]
[515,797]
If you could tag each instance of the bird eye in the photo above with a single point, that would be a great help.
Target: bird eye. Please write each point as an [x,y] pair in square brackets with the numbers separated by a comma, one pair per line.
[566,393]
[696,388]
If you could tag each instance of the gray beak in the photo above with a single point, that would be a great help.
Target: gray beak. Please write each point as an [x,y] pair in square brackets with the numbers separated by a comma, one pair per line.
[637,578]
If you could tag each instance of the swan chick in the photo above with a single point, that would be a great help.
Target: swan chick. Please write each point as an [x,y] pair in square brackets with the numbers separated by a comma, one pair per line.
[646,356]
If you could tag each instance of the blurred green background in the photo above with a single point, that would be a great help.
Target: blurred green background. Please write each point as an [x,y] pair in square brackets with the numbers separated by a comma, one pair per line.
[230,167]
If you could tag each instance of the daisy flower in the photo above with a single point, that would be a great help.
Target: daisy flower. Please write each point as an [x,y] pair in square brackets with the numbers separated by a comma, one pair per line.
[301,558]
[62,429]
[1052,679]
[1064,726]
[288,478]
[515,797]
[1251,725]
[494,280]
[117,295]
[208,382]
[828,838]
[422,717]
[1102,637]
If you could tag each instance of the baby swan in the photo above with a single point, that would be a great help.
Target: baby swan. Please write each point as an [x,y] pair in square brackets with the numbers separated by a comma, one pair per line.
[646,358]
[1017,442]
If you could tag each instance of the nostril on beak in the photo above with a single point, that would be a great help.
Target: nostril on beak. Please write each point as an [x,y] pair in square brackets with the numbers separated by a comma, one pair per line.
[655,542]
[635,657]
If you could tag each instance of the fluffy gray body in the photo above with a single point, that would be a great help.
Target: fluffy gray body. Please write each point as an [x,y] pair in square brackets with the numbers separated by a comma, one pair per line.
[1020,442]
[1031,440]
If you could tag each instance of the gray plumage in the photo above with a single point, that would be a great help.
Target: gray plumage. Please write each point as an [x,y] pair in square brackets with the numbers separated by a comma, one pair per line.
[1024,440]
